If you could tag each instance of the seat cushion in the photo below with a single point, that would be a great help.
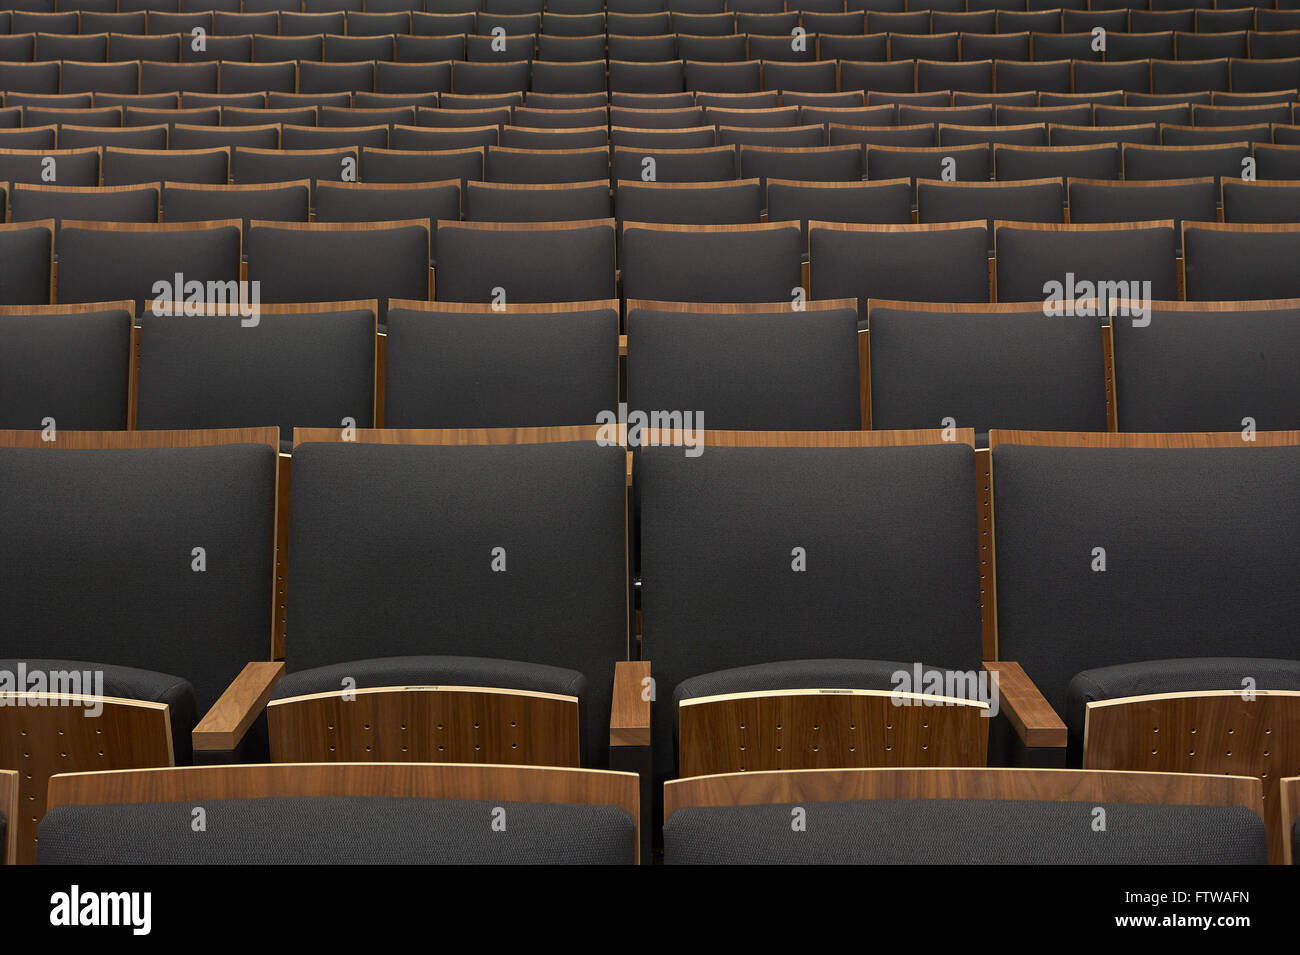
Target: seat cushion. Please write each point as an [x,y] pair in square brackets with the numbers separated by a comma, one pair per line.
[337,831]
[126,683]
[964,832]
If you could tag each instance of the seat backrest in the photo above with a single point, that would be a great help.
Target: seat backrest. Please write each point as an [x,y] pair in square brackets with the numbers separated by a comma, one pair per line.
[1233,261]
[506,262]
[1118,548]
[725,533]
[452,365]
[1208,366]
[162,556]
[340,261]
[293,366]
[66,366]
[745,263]
[985,367]
[431,515]
[109,261]
[769,367]
[27,249]
[1044,262]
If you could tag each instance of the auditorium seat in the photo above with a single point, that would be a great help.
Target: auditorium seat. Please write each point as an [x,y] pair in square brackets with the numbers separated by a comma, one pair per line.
[942,262]
[1232,261]
[158,576]
[963,817]
[1207,366]
[65,366]
[451,365]
[343,814]
[1124,617]
[1041,261]
[691,203]
[340,261]
[756,367]
[110,261]
[985,366]
[138,203]
[747,263]
[310,365]
[505,262]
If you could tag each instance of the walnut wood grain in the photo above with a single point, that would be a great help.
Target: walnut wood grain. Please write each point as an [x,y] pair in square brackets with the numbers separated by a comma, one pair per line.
[238,707]
[1104,439]
[1289,801]
[820,728]
[1212,731]
[455,436]
[42,734]
[1074,785]
[426,724]
[9,809]
[812,439]
[629,718]
[1035,722]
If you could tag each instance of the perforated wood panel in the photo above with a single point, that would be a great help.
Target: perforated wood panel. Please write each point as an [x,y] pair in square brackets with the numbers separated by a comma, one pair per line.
[441,724]
[821,729]
[43,734]
[1220,732]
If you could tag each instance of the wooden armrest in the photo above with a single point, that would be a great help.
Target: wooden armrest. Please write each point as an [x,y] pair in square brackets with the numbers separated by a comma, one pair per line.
[629,713]
[239,706]
[1035,722]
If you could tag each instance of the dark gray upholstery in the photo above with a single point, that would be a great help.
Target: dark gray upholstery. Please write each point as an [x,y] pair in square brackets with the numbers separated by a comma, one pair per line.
[97,558]
[705,265]
[249,166]
[72,368]
[676,165]
[355,830]
[891,549]
[970,163]
[394,542]
[433,671]
[964,832]
[938,201]
[1196,201]
[133,205]
[26,253]
[566,264]
[827,164]
[1018,162]
[1202,550]
[724,203]
[1206,371]
[105,265]
[1143,134]
[124,169]
[488,202]
[856,202]
[453,370]
[74,167]
[326,264]
[1259,202]
[1170,676]
[1227,266]
[457,137]
[344,202]
[300,370]
[920,264]
[130,137]
[766,372]
[552,166]
[124,683]
[1184,162]
[1009,370]
[395,165]
[208,137]
[286,203]
[1028,259]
